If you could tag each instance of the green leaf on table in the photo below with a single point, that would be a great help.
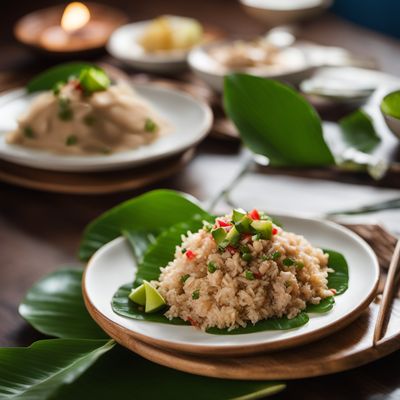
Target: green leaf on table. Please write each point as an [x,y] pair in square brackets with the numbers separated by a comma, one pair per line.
[275,121]
[54,306]
[152,211]
[121,374]
[60,73]
[36,372]
[358,131]
[339,279]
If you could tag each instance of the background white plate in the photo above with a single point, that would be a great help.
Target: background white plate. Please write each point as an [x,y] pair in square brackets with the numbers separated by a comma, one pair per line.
[189,118]
[298,66]
[113,266]
[124,45]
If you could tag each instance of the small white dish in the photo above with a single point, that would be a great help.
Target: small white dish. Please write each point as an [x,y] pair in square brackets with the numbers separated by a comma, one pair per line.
[124,45]
[295,66]
[284,12]
[190,121]
[100,282]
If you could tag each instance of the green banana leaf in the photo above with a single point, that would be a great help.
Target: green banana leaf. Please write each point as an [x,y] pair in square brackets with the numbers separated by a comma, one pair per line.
[358,132]
[35,372]
[275,121]
[60,73]
[121,374]
[150,212]
[338,280]
[38,372]
[54,306]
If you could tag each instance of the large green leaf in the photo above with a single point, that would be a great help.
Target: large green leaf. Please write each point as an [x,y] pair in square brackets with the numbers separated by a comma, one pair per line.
[123,375]
[162,251]
[35,372]
[275,121]
[323,306]
[339,279]
[358,131]
[155,210]
[60,73]
[54,306]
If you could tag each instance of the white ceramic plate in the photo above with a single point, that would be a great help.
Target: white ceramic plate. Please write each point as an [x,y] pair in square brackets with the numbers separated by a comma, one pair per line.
[113,266]
[189,118]
[124,45]
[297,66]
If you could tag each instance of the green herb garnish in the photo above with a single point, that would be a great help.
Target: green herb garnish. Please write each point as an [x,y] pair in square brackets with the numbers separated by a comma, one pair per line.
[275,255]
[211,267]
[196,294]
[247,257]
[57,88]
[184,278]
[28,132]
[150,125]
[249,275]
[299,264]
[288,262]
[71,140]
[89,120]
[65,112]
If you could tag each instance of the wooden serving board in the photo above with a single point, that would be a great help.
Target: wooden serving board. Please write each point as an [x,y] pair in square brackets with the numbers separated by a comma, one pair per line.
[92,182]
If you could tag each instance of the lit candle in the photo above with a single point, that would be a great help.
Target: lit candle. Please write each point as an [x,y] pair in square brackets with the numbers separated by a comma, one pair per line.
[75,32]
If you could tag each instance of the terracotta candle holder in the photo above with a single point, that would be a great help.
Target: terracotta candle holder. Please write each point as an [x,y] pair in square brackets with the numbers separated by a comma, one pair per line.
[75,29]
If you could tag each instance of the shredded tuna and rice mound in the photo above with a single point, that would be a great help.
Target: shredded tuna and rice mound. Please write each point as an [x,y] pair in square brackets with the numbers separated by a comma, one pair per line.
[241,270]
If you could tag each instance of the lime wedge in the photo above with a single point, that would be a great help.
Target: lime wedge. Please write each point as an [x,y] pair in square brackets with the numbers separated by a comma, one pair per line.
[94,80]
[138,295]
[154,300]
[390,104]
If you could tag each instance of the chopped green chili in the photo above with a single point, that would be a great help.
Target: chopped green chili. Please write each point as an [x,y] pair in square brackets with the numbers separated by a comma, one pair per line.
[211,267]
[249,275]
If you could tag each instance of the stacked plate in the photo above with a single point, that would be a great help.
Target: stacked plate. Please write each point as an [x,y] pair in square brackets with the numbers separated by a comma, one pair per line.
[190,121]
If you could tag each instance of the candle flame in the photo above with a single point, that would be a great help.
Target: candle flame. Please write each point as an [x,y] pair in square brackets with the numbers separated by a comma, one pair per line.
[75,16]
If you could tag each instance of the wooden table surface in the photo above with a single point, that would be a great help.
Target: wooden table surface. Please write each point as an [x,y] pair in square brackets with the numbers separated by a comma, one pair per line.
[41,231]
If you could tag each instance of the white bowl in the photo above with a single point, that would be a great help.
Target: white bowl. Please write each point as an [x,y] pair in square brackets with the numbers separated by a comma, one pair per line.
[297,66]
[284,12]
[100,282]
[124,45]
[190,121]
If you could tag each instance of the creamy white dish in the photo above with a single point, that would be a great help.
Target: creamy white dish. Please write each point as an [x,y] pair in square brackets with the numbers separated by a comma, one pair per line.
[88,115]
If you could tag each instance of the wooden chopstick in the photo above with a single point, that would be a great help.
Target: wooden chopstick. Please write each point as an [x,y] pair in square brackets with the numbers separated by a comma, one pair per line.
[387,295]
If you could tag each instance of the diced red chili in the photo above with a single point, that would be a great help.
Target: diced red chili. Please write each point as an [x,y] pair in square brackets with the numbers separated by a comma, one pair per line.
[257,275]
[222,223]
[231,249]
[333,291]
[274,231]
[190,254]
[192,321]
[247,236]
[254,214]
